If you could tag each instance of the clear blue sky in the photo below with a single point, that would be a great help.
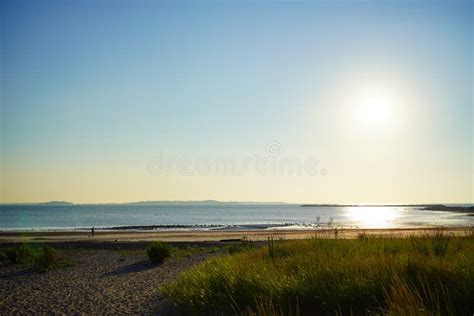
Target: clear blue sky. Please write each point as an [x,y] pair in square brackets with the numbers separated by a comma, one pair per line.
[92,89]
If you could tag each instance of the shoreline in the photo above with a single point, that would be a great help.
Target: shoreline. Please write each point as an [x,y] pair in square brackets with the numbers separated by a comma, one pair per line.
[219,235]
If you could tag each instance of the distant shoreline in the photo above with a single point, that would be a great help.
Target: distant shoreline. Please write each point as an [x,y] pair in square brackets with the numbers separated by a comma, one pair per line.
[197,202]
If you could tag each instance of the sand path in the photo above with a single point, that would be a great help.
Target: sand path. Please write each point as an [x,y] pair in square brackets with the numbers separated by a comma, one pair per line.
[100,282]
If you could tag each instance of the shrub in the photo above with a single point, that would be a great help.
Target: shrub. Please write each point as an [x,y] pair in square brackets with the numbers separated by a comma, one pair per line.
[45,260]
[19,254]
[39,260]
[3,255]
[158,251]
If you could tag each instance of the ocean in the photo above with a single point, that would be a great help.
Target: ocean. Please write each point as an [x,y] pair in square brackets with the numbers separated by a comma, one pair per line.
[220,216]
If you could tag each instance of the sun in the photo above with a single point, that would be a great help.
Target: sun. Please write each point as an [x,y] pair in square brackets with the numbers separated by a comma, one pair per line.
[374,109]
[375,106]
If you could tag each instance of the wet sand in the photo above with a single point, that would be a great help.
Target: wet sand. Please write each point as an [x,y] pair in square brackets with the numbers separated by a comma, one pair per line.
[213,235]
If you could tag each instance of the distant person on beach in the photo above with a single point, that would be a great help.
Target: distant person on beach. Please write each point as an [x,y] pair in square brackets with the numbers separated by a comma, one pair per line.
[92,231]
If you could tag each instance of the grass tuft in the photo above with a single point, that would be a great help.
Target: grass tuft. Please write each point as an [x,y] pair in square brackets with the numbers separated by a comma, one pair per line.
[158,251]
[37,259]
[241,246]
[19,255]
[45,260]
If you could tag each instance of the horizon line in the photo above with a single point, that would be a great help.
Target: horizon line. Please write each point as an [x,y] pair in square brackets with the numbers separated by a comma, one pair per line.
[210,201]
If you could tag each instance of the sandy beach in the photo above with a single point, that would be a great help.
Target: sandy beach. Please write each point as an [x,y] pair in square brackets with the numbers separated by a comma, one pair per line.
[213,235]
[109,280]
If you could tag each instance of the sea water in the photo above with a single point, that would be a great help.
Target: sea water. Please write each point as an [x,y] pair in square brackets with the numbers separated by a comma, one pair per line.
[221,216]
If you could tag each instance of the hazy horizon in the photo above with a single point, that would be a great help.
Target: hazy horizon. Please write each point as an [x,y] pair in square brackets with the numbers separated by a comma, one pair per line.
[352,102]
[230,202]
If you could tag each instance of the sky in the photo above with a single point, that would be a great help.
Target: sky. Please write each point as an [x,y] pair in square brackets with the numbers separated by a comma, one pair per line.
[306,101]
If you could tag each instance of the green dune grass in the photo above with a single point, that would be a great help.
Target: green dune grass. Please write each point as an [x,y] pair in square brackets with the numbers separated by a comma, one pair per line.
[319,276]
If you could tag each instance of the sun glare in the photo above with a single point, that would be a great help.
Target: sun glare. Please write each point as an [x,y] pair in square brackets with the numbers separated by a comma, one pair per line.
[375,106]
[372,216]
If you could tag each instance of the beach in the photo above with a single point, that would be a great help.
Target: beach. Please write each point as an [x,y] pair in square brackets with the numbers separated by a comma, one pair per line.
[101,279]
[212,235]
[236,158]
[110,272]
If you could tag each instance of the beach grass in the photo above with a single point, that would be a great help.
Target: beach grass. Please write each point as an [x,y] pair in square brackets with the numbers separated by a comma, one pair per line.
[240,246]
[37,259]
[416,275]
[158,251]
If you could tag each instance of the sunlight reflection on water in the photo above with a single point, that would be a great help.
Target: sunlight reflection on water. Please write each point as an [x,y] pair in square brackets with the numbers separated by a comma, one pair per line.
[373,216]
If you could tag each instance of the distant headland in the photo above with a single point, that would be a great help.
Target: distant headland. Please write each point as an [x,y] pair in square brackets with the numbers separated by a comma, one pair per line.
[187,202]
